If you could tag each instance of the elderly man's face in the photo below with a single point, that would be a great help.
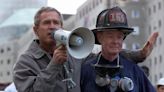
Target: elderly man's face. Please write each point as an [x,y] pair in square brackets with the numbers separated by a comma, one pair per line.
[111,40]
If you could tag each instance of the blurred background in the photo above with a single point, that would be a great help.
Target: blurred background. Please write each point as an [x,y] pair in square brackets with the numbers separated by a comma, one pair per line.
[16,33]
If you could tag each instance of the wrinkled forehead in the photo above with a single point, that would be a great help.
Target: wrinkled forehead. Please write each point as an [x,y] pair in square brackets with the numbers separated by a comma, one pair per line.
[112,31]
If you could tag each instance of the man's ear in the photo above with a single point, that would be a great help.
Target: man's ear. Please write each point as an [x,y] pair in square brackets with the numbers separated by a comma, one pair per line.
[35,30]
[99,36]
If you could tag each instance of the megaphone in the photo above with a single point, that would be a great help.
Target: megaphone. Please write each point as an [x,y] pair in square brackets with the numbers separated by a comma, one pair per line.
[79,42]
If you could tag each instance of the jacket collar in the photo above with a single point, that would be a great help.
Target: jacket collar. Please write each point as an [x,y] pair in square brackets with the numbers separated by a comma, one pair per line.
[35,49]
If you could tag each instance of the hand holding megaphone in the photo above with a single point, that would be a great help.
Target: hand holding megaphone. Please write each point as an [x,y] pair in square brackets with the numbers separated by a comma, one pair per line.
[79,42]
[60,55]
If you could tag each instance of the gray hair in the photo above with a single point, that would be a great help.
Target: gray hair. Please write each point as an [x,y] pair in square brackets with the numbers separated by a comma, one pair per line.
[46,9]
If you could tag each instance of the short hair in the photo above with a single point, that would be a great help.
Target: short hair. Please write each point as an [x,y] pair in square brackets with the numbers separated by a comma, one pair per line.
[46,9]
[158,86]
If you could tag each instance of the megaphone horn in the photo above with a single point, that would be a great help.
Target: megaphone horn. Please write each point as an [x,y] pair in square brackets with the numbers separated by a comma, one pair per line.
[79,42]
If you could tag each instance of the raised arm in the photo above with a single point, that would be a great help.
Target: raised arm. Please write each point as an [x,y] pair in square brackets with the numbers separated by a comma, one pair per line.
[141,54]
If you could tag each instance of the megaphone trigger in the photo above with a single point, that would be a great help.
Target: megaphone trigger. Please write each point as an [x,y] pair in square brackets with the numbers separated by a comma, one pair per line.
[58,44]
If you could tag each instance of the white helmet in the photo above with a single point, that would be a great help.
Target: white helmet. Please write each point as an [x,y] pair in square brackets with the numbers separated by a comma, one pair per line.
[160,82]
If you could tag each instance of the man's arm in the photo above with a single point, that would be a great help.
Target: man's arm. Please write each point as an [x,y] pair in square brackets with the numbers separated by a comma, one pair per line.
[148,47]
[141,54]
[28,77]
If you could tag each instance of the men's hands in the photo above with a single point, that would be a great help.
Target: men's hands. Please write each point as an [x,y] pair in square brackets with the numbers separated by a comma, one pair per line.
[148,47]
[60,55]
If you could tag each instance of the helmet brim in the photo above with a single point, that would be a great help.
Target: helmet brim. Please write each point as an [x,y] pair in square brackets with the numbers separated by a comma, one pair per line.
[125,30]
